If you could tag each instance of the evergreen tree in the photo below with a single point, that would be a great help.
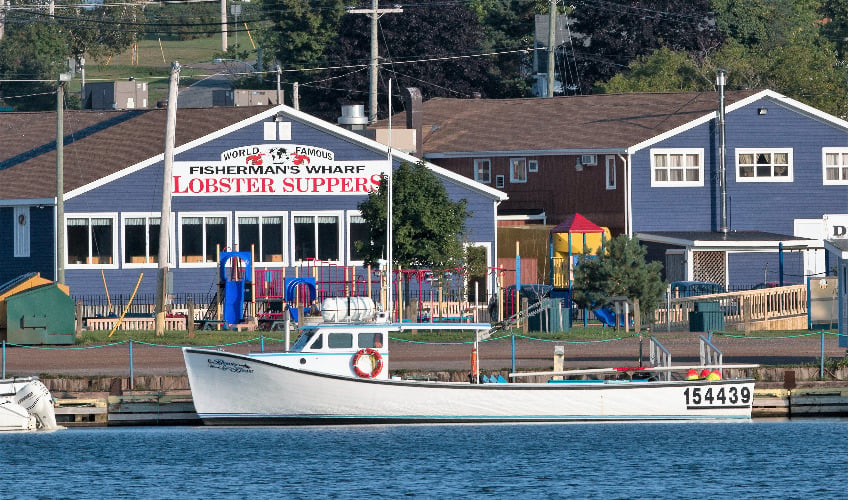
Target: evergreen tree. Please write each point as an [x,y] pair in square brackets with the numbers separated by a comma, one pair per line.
[621,271]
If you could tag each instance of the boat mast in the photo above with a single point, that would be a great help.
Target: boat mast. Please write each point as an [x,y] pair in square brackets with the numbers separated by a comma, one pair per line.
[389,237]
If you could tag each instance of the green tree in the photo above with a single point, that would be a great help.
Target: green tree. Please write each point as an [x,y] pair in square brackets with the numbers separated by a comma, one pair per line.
[301,30]
[427,226]
[621,271]
[32,52]
[101,32]
[664,70]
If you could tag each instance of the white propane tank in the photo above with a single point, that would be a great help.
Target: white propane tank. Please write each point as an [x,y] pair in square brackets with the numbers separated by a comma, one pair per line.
[342,309]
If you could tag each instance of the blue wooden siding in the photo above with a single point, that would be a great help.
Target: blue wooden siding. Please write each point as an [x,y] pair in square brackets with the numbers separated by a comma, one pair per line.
[749,269]
[762,206]
[41,244]
[140,191]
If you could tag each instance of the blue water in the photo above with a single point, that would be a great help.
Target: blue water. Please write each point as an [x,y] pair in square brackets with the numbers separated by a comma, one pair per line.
[773,459]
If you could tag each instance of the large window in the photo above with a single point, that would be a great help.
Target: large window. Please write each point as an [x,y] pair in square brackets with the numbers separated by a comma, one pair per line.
[835,165]
[517,170]
[764,165]
[317,236]
[266,233]
[358,231]
[677,167]
[201,236]
[141,239]
[483,171]
[90,239]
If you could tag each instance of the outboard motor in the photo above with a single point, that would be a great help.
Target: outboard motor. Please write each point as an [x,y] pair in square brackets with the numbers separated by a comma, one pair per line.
[36,398]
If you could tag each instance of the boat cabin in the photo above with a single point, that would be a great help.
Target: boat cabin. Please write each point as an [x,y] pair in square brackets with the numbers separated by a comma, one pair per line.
[346,349]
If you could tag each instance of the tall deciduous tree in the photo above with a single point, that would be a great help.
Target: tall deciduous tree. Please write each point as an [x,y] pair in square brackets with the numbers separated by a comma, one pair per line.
[301,30]
[621,271]
[428,226]
[429,46]
[788,55]
[35,51]
[616,33]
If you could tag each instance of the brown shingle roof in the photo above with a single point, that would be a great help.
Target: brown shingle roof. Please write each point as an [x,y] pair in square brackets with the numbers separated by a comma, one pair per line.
[613,121]
[97,143]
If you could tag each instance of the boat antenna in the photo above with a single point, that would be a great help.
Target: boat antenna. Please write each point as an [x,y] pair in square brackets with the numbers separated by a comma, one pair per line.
[389,238]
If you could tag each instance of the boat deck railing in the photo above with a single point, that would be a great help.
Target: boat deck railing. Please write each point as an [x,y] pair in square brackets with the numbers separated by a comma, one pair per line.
[710,354]
[660,356]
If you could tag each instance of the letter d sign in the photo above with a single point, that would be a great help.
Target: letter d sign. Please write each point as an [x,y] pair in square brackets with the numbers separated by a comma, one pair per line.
[839,231]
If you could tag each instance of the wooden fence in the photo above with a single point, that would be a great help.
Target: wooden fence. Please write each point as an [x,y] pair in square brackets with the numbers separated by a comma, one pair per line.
[779,308]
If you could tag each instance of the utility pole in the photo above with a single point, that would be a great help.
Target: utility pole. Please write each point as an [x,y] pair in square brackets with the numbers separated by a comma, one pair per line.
[551,48]
[279,86]
[2,17]
[165,213]
[375,13]
[60,173]
[224,25]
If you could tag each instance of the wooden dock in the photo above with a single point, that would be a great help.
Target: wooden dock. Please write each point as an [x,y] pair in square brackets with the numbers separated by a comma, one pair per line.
[130,408]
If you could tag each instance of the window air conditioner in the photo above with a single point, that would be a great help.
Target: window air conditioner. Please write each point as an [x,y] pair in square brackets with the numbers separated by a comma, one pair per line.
[589,160]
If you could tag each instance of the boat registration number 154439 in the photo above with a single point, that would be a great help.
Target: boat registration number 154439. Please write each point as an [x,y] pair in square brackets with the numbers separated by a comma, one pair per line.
[725,395]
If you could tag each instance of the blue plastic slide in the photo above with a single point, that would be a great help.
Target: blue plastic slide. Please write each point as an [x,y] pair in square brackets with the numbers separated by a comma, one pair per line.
[606,316]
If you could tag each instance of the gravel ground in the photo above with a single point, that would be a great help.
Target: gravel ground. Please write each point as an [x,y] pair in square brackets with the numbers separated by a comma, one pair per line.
[494,355]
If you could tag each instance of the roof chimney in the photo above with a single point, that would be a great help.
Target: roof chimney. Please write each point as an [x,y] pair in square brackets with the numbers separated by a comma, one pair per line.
[414,116]
[353,117]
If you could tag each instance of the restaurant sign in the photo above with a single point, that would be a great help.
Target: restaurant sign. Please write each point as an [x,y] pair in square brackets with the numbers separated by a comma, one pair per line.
[277,169]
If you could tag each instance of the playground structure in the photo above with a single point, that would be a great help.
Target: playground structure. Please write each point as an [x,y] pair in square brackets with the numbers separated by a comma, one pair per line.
[274,296]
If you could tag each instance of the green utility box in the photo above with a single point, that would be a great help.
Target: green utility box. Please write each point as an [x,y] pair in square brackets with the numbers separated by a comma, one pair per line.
[707,317]
[41,315]
[552,317]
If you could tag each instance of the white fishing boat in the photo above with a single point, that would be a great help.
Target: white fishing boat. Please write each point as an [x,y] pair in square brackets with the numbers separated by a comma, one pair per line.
[26,405]
[338,373]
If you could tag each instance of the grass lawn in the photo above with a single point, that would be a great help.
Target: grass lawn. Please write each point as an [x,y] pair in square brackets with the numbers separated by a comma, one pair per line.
[153,65]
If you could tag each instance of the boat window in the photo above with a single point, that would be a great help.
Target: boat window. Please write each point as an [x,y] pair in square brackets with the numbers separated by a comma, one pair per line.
[303,339]
[318,344]
[370,339]
[340,341]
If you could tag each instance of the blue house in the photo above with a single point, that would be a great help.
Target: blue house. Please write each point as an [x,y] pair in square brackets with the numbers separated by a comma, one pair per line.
[784,191]
[648,165]
[273,179]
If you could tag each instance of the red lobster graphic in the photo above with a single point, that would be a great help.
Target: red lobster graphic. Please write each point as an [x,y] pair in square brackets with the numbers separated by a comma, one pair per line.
[298,159]
[254,159]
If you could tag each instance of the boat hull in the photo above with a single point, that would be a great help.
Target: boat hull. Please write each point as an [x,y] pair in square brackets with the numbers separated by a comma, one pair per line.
[232,389]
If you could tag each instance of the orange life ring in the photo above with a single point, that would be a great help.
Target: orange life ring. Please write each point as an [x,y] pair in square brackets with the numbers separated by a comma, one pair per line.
[376,363]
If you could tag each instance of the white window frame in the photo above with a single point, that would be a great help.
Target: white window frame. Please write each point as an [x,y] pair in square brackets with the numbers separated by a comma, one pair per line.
[115,230]
[787,178]
[513,178]
[499,181]
[22,230]
[667,152]
[532,165]
[152,246]
[478,163]
[493,281]
[203,263]
[284,222]
[843,169]
[611,172]
[340,244]
[348,241]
